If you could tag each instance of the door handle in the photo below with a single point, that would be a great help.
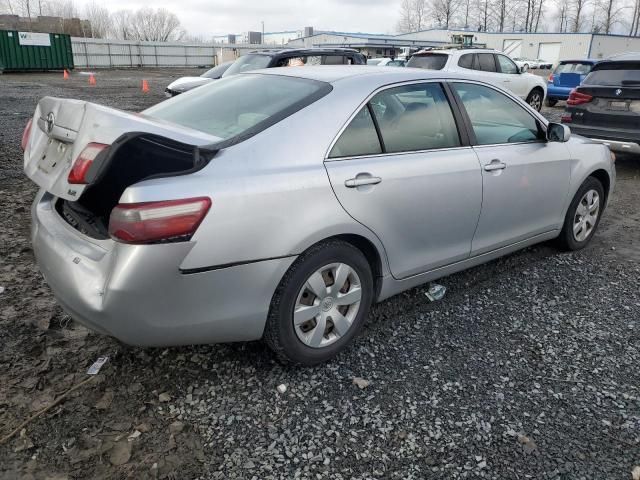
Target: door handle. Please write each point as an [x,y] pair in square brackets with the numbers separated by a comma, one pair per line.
[360,181]
[495,165]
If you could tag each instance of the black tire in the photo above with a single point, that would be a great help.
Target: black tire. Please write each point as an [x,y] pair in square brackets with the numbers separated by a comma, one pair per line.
[535,99]
[280,334]
[551,102]
[567,240]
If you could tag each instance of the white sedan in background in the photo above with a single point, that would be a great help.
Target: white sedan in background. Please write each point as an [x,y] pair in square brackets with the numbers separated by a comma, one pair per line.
[489,66]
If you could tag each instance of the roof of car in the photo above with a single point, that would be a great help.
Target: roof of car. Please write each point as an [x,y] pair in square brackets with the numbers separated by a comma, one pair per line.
[299,51]
[581,60]
[453,51]
[331,74]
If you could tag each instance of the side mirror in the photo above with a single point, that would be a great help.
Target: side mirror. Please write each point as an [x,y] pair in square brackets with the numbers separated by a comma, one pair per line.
[556,132]
[523,69]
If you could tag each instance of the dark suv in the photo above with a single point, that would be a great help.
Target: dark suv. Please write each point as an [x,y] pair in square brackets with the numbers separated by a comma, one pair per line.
[295,57]
[606,107]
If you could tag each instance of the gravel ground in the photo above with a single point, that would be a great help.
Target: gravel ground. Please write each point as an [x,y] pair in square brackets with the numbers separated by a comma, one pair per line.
[528,368]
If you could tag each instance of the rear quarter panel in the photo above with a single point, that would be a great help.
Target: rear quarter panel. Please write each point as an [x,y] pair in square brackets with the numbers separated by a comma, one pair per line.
[271,195]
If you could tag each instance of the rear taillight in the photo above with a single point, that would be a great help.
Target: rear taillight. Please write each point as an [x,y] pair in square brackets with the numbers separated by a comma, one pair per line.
[26,134]
[78,173]
[151,222]
[550,79]
[566,118]
[578,98]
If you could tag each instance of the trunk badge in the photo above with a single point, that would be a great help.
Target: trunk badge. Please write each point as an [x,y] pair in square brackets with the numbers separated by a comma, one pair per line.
[618,92]
[50,122]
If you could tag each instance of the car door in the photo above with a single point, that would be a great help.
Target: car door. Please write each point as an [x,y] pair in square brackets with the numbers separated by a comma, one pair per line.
[510,76]
[525,179]
[402,168]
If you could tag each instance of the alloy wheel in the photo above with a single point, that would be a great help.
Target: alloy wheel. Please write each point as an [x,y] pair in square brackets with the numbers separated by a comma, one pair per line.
[535,101]
[327,305]
[586,216]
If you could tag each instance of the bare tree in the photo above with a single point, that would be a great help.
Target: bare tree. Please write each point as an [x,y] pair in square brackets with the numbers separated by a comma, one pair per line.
[635,19]
[99,18]
[412,15]
[578,7]
[444,11]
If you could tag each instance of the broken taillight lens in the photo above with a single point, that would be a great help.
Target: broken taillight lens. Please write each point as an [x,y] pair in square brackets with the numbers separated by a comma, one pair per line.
[78,173]
[26,134]
[578,98]
[150,222]
[550,79]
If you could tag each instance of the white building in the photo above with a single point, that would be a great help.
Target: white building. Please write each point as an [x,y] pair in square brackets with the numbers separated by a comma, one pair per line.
[551,47]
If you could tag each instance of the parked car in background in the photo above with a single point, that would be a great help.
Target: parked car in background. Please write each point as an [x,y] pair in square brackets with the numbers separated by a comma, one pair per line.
[282,204]
[295,57]
[184,84]
[525,64]
[606,107]
[543,64]
[565,77]
[487,65]
[386,62]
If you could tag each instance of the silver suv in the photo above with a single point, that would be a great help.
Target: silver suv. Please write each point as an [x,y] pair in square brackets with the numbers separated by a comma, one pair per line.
[487,65]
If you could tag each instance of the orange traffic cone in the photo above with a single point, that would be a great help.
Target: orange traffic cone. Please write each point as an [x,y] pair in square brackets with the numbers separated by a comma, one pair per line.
[92,79]
[65,75]
[145,86]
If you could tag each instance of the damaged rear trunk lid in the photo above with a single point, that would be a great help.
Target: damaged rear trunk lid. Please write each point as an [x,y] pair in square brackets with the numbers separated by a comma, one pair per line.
[62,128]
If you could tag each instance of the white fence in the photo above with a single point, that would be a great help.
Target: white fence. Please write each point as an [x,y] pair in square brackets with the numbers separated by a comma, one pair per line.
[95,52]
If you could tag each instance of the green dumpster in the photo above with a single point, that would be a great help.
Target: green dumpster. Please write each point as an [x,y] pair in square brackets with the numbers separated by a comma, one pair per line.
[28,51]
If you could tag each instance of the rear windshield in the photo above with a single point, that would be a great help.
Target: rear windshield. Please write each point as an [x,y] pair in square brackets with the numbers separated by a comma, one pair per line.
[243,104]
[216,72]
[615,74]
[432,61]
[247,63]
[574,67]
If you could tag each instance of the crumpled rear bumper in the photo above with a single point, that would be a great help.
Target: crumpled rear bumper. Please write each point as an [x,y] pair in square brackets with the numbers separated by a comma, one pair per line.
[137,293]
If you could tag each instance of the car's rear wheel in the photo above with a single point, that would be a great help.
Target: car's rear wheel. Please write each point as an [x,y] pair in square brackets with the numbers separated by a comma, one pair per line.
[551,102]
[320,304]
[583,216]
[535,99]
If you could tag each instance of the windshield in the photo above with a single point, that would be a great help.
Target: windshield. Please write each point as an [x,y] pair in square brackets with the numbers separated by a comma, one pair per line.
[247,63]
[216,72]
[374,61]
[232,106]
[432,61]
[574,67]
[615,74]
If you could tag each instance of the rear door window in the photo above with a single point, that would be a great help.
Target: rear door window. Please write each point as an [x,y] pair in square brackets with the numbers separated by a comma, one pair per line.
[430,61]
[333,60]
[415,117]
[486,62]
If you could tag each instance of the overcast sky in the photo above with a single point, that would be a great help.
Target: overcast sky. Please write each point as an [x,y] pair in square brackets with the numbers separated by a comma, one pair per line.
[210,17]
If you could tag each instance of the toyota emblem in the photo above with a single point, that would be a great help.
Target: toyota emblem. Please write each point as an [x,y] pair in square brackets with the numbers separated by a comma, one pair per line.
[50,122]
[618,92]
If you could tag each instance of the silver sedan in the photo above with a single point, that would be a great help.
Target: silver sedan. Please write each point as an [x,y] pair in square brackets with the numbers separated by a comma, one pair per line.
[281,204]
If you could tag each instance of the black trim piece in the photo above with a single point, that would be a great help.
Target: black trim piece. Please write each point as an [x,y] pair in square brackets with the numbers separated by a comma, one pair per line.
[191,271]
[383,149]
[471,135]
[458,117]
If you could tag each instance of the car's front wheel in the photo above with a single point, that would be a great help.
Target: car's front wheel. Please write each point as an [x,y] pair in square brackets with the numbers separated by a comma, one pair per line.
[320,304]
[583,216]
[535,99]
